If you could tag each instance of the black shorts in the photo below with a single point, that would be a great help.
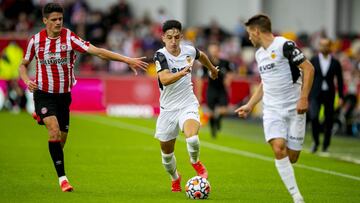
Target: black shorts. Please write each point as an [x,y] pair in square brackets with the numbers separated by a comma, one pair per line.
[216,98]
[49,104]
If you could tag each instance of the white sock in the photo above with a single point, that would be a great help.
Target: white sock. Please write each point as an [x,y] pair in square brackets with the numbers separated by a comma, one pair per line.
[193,147]
[169,162]
[287,175]
[61,179]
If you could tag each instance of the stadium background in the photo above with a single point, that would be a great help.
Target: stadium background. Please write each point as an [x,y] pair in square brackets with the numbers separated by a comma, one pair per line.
[134,30]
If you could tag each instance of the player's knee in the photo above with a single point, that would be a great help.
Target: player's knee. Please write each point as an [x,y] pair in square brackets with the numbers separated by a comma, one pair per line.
[54,132]
[293,158]
[190,133]
[280,151]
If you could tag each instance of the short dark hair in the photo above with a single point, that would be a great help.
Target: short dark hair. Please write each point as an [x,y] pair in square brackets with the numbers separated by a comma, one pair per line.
[51,7]
[261,21]
[170,24]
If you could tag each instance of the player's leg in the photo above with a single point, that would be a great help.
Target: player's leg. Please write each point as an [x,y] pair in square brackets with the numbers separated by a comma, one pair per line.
[45,108]
[296,135]
[285,169]
[63,136]
[63,117]
[56,150]
[166,132]
[221,108]
[191,129]
[169,163]
[211,103]
[329,121]
[275,129]
[315,124]
[189,122]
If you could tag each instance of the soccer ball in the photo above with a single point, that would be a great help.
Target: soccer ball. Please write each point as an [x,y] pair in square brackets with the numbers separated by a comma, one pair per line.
[197,188]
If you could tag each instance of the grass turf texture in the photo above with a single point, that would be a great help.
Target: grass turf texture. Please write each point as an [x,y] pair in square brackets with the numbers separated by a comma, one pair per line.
[118,160]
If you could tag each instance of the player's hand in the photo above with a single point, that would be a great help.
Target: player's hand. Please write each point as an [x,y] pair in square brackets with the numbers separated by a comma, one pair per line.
[243,111]
[138,63]
[214,73]
[186,70]
[302,105]
[32,86]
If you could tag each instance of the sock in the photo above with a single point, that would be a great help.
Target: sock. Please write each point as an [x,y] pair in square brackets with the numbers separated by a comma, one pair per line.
[62,178]
[57,156]
[287,175]
[218,122]
[169,162]
[193,147]
[212,122]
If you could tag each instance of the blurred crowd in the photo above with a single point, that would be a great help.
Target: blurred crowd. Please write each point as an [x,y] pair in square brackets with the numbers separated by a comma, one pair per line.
[119,30]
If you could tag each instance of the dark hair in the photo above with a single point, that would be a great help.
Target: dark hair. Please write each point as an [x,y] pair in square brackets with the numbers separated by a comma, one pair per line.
[170,24]
[52,7]
[261,21]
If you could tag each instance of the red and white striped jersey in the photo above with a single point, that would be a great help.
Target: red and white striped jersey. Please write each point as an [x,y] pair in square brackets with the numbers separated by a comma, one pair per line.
[55,59]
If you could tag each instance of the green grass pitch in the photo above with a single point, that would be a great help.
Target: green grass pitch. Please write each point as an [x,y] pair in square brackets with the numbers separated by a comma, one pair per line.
[118,160]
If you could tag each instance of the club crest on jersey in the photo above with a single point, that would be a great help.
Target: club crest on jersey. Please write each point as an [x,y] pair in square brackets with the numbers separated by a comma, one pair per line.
[273,55]
[44,110]
[188,59]
[63,47]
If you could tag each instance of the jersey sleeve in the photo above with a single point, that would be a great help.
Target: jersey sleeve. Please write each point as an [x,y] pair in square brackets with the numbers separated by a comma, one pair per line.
[78,44]
[160,62]
[197,53]
[293,53]
[30,51]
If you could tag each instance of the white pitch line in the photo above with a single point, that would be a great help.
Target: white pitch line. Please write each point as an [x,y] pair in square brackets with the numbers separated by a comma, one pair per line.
[149,131]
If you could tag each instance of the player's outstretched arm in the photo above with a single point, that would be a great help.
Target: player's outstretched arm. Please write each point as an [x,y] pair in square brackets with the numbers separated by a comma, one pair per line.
[32,86]
[244,110]
[167,78]
[204,60]
[308,71]
[109,55]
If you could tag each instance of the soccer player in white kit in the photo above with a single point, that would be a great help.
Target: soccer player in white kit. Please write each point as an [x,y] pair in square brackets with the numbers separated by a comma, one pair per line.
[286,80]
[178,104]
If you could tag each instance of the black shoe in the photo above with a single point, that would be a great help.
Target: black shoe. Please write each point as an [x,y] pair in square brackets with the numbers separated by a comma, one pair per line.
[213,131]
[313,148]
[218,123]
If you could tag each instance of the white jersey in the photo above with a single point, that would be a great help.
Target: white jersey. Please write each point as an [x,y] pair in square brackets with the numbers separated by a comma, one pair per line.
[179,94]
[281,78]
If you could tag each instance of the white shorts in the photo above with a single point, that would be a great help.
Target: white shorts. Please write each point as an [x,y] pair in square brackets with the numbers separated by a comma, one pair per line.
[169,122]
[285,124]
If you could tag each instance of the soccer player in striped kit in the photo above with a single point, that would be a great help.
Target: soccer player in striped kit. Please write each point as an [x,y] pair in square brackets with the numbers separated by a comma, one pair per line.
[54,49]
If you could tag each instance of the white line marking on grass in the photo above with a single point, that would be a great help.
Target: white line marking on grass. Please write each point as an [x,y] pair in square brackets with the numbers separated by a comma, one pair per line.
[149,131]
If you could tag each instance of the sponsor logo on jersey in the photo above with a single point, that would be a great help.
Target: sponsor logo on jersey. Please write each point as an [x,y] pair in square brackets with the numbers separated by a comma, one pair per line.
[54,61]
[174,70]
[266,67]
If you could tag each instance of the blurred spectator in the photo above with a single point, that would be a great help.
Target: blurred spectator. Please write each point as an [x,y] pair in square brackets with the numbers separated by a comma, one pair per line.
[161,16]
[214,33]
[121,13]
[323,92]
